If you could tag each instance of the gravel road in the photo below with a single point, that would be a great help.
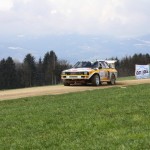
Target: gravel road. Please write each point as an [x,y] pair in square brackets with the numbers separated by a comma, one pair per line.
[60,89]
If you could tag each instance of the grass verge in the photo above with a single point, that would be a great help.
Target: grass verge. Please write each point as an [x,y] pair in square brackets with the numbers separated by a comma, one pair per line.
[126,78]
[107,119]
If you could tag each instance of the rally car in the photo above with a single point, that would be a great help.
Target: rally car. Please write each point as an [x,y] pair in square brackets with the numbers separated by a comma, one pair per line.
[86,72]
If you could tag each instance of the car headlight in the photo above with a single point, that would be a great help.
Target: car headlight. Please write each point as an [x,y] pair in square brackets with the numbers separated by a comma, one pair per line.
[86,73]
[63,73]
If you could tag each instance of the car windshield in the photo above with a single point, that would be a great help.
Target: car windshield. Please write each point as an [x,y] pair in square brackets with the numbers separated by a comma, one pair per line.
[97,64]
[83,64]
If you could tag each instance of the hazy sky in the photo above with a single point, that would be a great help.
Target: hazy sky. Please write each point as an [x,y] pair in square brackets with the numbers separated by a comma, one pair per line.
[35,19]
[44,17]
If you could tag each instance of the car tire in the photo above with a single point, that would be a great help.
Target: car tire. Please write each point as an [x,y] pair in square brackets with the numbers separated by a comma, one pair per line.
[112,80]
[96,80]
[66,83]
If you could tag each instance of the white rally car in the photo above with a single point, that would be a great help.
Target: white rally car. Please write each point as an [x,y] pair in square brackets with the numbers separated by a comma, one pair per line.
[85,72]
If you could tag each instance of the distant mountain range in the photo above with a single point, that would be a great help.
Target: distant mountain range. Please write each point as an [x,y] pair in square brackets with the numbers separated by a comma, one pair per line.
[73,47]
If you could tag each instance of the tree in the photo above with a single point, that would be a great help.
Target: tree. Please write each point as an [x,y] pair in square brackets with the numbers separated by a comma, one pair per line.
[60,66]
[29,70]
[2,74]
[7,74]
[49,68]
[127,64]
[39,73]
[10,74]
[53,62]
[31,73]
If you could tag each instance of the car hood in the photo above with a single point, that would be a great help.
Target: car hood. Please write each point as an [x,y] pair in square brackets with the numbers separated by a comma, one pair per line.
[78,70]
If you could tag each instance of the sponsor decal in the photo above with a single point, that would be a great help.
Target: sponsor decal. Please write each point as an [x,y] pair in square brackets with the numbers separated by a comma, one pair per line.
[142,71]
[78,69]
[102,74]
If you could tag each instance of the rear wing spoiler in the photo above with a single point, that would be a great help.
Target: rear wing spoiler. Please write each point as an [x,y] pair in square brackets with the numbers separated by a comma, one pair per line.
[111,63]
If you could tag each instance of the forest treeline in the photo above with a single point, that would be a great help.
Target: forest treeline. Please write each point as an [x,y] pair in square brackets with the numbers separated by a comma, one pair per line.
[47,71]
[126,65]
[30,73]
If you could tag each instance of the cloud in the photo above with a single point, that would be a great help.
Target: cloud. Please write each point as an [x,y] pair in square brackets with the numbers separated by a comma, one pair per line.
[6,5]
[20,35]
[40,18]
[15,48]
[143,43]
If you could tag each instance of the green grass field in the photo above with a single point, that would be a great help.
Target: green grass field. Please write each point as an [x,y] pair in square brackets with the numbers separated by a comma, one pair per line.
[105,119]
[126,78]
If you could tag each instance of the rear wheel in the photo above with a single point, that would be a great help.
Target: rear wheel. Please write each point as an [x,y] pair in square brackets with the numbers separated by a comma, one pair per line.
[112,80]
[96,80]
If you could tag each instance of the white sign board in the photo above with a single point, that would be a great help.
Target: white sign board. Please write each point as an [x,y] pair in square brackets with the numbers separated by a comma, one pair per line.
[142,71]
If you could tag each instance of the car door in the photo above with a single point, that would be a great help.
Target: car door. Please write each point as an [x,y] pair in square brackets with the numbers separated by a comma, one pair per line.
[103,71]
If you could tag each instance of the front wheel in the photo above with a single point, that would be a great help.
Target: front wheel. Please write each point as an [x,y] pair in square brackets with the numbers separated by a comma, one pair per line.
[66,83]
[96,80]
[112,80]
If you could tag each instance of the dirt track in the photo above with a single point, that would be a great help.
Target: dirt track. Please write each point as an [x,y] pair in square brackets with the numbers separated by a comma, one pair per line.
[60,89]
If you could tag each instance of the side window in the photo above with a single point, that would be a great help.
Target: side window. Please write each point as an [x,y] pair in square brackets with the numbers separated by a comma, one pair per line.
[107,65]
[104,65]
[95,65]
[100,66]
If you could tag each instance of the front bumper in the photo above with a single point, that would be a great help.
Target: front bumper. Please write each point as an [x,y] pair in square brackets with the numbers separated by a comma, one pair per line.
[74,77]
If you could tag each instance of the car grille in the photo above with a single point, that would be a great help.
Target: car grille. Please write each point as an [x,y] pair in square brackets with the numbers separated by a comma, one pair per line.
[74,73]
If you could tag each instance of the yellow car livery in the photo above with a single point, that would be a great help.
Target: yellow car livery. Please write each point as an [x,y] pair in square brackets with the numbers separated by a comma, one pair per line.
[86,72]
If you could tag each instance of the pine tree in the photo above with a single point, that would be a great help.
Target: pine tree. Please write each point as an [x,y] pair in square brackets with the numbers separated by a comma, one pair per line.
[49,68]
[39,73]
[29,71]
[2,74]
[7,74]
[10,73]
[53,62]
